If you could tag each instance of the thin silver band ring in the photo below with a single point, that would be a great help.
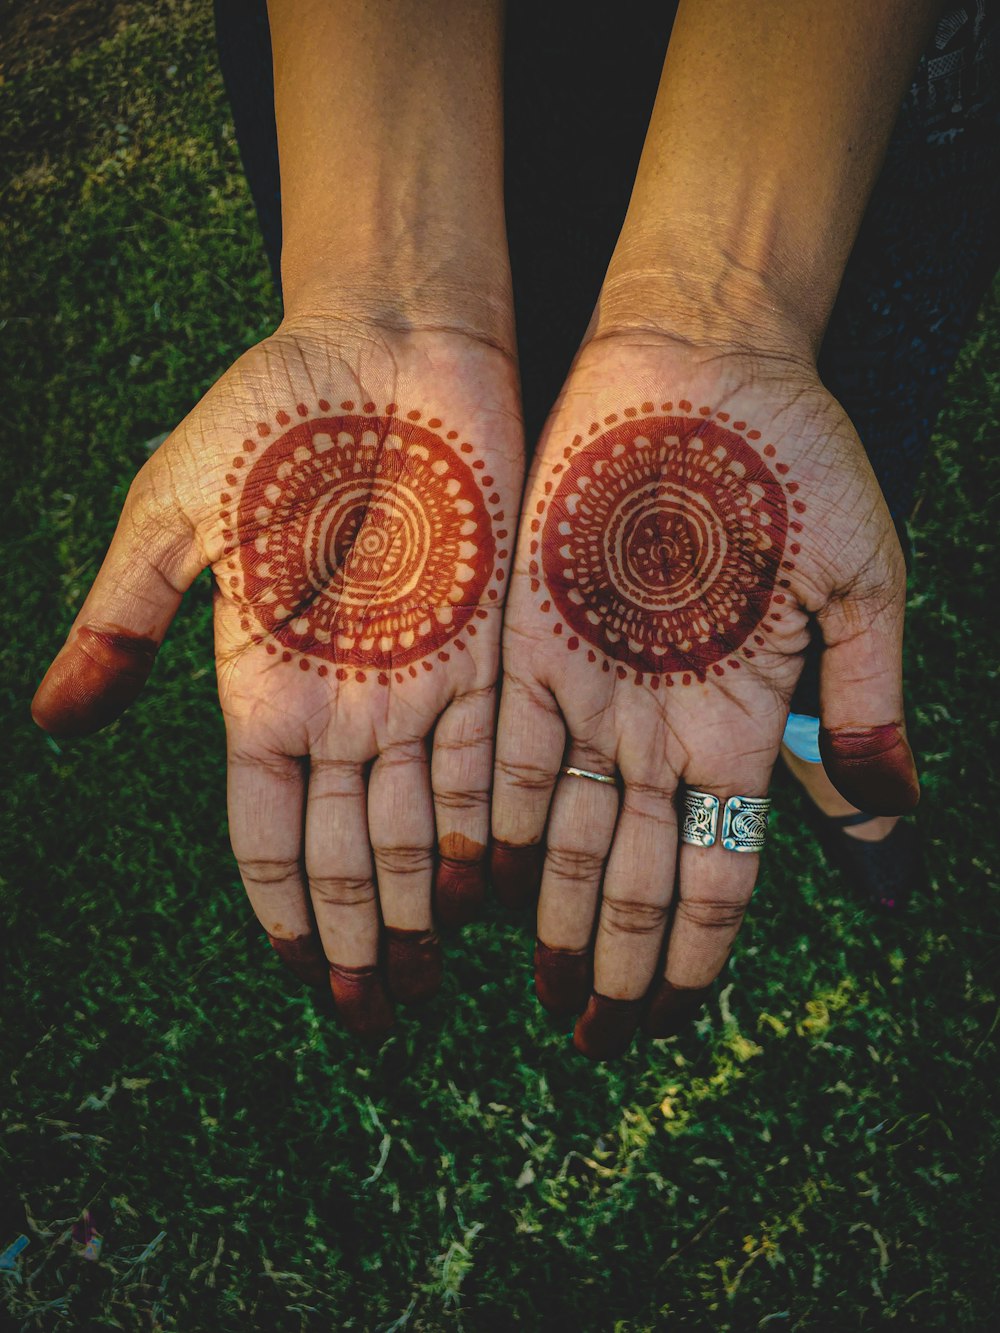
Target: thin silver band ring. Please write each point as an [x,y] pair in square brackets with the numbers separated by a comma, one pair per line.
[569,771]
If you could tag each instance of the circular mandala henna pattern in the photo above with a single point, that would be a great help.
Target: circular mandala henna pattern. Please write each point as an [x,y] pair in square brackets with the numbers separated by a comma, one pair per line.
[361,538]
[662,543]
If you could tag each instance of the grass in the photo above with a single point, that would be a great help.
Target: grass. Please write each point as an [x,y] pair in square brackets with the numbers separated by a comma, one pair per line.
[821,1152]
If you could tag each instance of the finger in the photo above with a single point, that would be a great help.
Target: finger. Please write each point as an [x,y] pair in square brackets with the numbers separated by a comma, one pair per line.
[401,829]
[862,739]
[714,892]
[342,886]
[102,667]
[266,797]
[673,1008]
[581,826]
[637,889]
[714,887]
[530,743]
[461,773]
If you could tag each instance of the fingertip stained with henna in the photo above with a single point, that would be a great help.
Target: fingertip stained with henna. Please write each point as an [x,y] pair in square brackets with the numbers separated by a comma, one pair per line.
[872,767]
[562,979]
[459,892]
[93,680]
[303,955]
[361,1000]
[673,1008]
[459,880]
[606,1028]
[516,872]
[413,964]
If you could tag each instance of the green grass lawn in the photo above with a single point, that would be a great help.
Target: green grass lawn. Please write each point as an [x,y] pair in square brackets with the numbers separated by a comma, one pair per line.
[819,1153]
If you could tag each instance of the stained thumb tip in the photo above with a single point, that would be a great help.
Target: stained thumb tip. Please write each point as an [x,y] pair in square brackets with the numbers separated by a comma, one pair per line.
[872,767]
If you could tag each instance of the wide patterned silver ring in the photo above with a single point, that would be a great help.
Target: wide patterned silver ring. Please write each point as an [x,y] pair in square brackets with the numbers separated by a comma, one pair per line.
[744,821]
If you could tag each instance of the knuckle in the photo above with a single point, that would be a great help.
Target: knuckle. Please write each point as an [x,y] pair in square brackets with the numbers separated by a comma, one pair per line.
[526,777]
[533,690]
[462,801]
[651,802]
[333,781]
[281,766]
[348,769]
[464,743]
[404,860]
[480,702]
[663,791]
[267,870]
[342,890]
[629,916]
[404,752]
[713,913]
[574,863]
[591,757]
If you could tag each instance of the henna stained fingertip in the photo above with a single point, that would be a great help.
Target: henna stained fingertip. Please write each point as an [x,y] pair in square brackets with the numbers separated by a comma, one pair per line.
[872,767]
[673,1008]
[459,891]
[562,979]
[606,1029]
[413,963]
[362,1004]
[92,681]
[516,873]
[303,955]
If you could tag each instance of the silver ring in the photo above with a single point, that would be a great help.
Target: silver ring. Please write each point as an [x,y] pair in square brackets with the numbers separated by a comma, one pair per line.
[701,818]
[570,772]
[744,821]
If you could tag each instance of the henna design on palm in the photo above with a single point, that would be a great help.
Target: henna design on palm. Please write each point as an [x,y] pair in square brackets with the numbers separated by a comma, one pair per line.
[363,540]
[663,543]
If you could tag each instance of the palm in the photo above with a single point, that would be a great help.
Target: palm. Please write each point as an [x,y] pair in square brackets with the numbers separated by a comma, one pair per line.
[355,541]
[673,549]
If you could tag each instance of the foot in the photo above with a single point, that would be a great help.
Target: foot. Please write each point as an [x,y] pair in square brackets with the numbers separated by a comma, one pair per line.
[879,857]
[828,800]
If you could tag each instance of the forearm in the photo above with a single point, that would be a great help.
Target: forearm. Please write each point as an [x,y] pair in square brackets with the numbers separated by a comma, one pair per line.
[390,141]
[769,128]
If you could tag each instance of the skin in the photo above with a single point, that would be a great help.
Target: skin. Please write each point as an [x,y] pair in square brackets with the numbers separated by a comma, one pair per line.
[614,874]
[111,664]
[746,204]
[460,884]
[357,621]
[397,292]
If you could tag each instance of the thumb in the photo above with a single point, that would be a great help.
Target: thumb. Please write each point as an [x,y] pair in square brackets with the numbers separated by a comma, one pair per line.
[152,561]
[862,738]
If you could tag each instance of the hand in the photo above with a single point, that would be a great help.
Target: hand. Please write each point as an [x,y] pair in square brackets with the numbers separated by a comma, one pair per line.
[687,514]
[354,492]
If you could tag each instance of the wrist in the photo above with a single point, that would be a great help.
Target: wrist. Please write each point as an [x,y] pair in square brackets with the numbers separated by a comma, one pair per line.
[704,297]
[450,290]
